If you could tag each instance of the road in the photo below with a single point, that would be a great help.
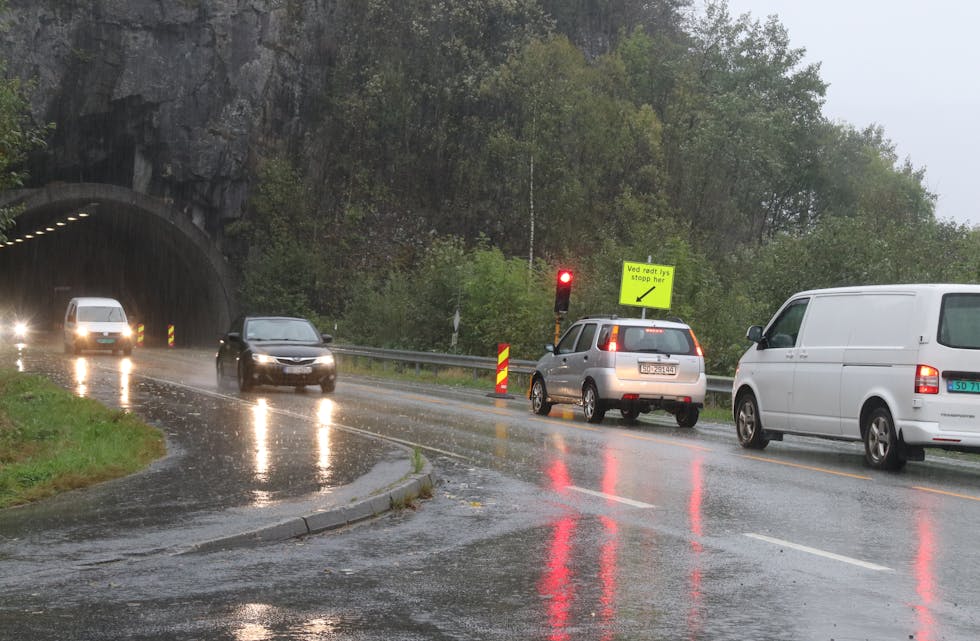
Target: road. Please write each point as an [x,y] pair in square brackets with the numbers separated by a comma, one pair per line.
[539,527]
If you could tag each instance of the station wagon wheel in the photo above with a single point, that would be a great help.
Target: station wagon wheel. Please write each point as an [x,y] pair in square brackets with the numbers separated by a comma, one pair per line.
[630,414]
[882,449]
[539,398]
[219,373]
[748,427]
[327,386]
[687,416]
[591,405]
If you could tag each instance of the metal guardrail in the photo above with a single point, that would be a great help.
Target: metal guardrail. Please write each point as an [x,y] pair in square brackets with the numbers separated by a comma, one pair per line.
[716,384]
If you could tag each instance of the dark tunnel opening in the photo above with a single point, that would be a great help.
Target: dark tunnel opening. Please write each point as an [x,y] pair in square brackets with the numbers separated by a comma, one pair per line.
[159,275]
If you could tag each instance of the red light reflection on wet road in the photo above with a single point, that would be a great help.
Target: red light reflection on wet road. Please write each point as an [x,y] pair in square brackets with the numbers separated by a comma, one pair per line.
[694,505]
[925,578]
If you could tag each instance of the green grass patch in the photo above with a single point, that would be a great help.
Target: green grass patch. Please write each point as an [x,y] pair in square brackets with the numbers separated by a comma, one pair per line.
[52,441]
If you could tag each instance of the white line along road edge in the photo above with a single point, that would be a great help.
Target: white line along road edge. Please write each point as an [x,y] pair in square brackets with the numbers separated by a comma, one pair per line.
[826,555]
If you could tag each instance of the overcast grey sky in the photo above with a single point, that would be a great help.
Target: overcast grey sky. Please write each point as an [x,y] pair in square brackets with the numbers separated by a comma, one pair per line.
[911,67]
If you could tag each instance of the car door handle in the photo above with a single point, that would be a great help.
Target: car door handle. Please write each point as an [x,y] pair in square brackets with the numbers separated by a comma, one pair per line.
[789,356]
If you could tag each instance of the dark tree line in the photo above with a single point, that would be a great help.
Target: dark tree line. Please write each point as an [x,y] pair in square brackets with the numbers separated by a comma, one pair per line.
[449,132]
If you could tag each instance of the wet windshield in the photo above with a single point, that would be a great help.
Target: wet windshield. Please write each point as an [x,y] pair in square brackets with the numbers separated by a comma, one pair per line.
[281,329]
[102,314]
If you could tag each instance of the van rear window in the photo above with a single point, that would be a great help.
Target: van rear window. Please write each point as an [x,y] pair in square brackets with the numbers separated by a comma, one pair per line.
[959,321]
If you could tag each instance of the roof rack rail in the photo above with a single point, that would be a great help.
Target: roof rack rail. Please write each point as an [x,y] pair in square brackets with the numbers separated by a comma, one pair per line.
[609,316]
[673,319]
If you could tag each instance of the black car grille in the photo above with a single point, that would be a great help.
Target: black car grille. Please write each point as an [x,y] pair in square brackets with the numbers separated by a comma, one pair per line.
[291,360]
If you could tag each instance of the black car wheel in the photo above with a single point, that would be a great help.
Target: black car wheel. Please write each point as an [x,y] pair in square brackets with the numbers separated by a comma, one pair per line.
[328,386]
[539,398]
[244,378]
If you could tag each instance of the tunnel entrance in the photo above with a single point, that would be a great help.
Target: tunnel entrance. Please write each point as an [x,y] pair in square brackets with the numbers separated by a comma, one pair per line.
[101,240]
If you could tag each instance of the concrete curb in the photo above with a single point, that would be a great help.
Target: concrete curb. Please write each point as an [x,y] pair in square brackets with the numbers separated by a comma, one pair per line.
[401,494]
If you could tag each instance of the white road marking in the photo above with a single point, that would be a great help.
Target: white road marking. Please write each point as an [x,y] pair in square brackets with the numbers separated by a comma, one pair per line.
[826,555]
[611,497]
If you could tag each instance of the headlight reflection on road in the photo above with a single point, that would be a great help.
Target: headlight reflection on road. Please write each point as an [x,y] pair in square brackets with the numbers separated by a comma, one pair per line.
[81,376]
[324,417]
[260,429]
[125,369]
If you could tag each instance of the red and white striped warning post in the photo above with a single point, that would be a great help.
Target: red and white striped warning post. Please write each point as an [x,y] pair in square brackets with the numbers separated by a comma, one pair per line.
[503,363]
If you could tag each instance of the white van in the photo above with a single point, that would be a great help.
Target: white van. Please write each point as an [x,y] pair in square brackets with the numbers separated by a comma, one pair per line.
[895,366]
[96,324]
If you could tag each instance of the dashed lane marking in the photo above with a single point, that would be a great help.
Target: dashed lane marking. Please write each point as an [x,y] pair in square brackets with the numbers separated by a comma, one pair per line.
[821,553]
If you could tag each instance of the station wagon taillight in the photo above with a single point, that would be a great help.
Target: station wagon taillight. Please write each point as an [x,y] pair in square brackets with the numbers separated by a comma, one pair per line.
[926,380]
[613,339]
[697,345]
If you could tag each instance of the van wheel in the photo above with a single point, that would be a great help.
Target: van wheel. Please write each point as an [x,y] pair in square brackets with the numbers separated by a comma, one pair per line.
[687,415]
[882,449]
[539,398]
[748,426]
[591,405]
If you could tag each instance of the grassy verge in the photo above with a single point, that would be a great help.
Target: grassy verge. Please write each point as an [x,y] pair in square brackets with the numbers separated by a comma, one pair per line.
[52,441]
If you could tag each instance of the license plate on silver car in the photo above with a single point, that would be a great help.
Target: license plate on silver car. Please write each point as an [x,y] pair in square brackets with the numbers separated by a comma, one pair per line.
[297,369]
[658,368]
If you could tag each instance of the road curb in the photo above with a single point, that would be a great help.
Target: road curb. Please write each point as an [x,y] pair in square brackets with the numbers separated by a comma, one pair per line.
[399,495]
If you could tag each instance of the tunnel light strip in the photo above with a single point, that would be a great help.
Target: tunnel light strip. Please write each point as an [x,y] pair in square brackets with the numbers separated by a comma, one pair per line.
[78,217]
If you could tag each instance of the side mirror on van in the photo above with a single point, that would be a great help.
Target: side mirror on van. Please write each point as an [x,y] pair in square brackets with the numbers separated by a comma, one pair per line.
[550,348]
[754,333]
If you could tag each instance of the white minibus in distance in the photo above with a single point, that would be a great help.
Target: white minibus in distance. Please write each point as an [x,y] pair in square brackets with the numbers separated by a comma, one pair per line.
[894,366]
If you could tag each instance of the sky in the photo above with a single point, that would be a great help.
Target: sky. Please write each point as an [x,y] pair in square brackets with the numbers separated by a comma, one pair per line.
[911,67]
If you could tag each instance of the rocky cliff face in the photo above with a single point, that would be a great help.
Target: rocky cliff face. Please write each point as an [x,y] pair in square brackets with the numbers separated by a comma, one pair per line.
[173,98]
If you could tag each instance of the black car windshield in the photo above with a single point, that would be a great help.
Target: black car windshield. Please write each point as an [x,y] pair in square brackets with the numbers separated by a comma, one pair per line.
[101,314]
[281,329]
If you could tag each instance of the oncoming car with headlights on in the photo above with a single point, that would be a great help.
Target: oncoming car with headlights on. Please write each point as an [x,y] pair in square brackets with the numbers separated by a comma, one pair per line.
[275,350]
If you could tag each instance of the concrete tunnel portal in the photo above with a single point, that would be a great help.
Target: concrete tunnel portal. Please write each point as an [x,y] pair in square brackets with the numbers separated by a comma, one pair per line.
[121,244]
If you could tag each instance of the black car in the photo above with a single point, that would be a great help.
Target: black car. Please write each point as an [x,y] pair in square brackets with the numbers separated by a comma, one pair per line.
[276,350]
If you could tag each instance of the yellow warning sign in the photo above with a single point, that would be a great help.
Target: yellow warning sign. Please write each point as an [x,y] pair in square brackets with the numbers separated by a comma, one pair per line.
[646,285]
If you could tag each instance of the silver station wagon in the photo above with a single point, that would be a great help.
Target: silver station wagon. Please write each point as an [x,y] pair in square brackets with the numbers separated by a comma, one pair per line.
[633,365]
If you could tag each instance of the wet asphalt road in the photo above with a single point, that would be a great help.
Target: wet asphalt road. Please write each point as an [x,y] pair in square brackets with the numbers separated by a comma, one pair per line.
[539,528]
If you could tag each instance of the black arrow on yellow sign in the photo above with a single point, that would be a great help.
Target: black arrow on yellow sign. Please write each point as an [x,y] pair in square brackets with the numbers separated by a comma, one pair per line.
[640,298]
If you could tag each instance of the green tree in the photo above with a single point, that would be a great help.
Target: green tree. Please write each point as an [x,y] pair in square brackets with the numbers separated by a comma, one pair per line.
[18,137]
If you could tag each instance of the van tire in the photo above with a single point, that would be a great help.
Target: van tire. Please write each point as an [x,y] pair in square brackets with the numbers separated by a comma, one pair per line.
[687,415]
[748,426]
[591,405]
[882,448]
[539,398]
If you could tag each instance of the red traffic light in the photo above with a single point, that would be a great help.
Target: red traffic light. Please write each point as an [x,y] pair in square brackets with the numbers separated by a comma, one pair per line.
[563,290]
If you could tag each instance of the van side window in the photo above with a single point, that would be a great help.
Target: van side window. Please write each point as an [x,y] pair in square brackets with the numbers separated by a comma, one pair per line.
[786,329]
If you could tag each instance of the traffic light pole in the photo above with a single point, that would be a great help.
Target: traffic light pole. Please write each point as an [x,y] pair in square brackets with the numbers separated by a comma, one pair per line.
[557,326]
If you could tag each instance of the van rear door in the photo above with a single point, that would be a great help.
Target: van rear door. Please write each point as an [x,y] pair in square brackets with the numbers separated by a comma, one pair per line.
[958,360]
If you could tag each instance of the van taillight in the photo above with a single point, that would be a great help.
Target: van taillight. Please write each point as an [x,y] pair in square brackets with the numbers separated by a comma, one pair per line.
[926,380]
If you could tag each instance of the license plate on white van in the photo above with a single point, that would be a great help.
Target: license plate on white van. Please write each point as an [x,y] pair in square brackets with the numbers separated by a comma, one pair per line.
[658,368]
[957,385]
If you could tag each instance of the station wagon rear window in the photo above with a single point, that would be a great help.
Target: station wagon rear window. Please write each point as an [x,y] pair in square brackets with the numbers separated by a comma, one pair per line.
[651,340]
[959,321]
